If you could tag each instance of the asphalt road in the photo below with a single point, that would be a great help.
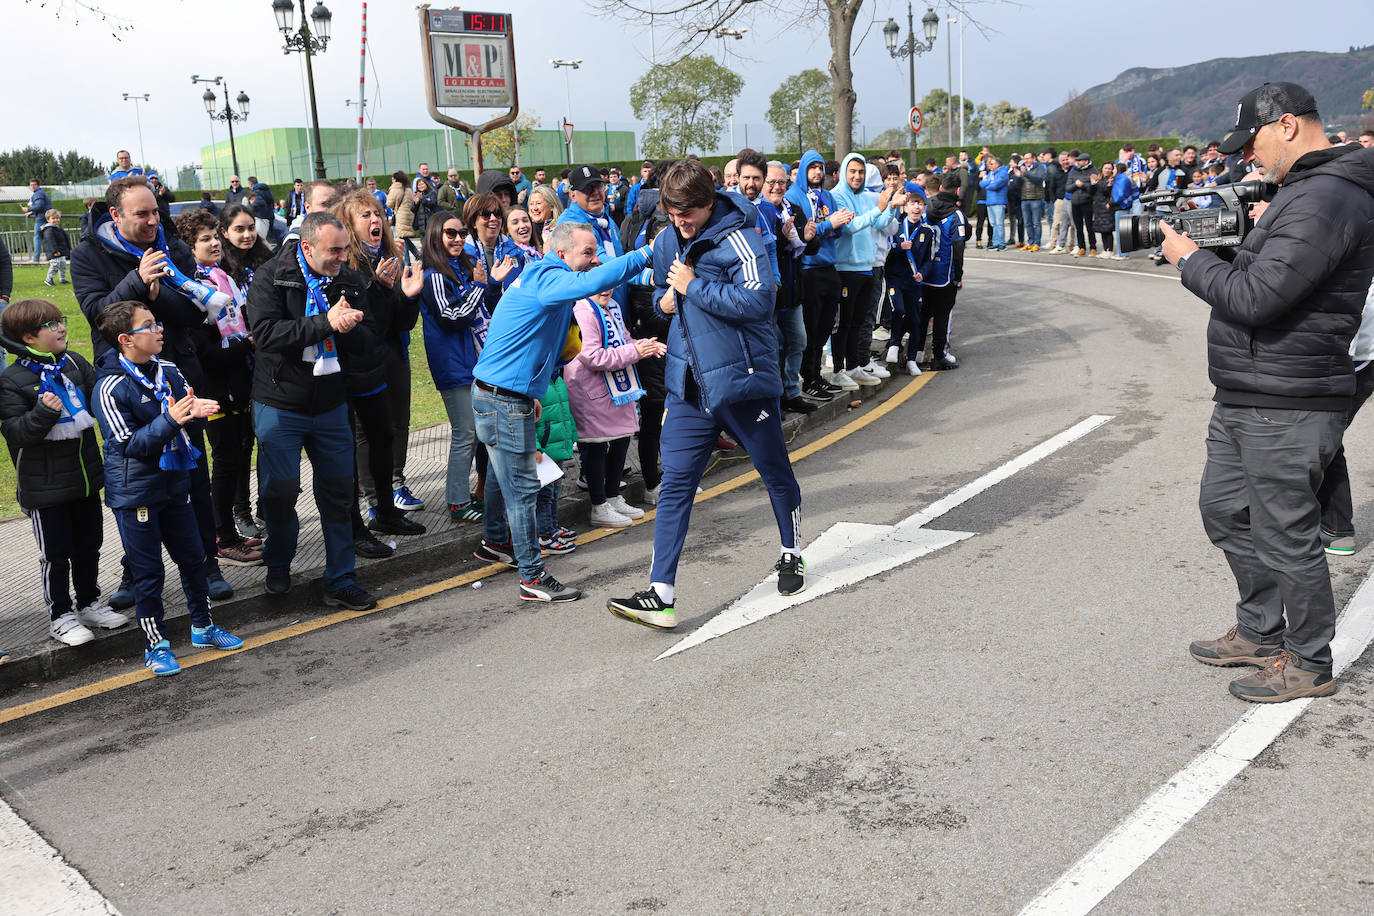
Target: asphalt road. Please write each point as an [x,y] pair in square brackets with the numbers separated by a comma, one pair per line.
[948,736]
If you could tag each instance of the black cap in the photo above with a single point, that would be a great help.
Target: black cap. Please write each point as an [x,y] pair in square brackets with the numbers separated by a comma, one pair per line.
[1266,105]
[583,176]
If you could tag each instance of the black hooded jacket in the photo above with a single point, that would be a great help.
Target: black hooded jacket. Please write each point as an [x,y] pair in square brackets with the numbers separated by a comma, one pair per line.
[1287,304]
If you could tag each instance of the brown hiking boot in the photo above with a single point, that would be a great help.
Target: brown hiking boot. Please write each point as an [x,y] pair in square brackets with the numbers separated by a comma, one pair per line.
[1282,680]
[1232,650]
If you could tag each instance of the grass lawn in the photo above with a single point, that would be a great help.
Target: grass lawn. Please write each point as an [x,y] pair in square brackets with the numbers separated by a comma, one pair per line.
[426,407]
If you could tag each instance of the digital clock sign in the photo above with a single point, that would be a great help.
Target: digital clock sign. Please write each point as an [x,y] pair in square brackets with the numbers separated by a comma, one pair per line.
[485,22]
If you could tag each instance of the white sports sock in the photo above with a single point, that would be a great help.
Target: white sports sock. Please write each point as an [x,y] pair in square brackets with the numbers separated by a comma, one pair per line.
[791,550]
[665,591]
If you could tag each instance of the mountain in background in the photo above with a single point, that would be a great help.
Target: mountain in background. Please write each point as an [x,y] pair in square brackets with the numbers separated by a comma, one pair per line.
[1199,100]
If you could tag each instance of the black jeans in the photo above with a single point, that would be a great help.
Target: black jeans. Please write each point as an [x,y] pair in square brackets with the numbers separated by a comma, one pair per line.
[1017,226]
[938,302]
[1083,225]
[370,415]
[650,432]
[603,463]
[820,299]
[398,399]
[1338,510]
[983,221]
[231,468]
[856,295]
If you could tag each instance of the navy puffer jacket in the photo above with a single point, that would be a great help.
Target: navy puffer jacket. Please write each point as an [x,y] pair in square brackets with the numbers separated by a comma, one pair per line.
[1286,307]
[723,328]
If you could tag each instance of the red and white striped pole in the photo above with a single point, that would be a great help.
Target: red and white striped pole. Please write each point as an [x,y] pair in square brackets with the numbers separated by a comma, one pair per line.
[362,78]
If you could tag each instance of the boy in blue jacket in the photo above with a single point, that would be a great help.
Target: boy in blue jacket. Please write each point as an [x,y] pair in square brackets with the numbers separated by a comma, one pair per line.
[913,249]
[144,406]
[713,280]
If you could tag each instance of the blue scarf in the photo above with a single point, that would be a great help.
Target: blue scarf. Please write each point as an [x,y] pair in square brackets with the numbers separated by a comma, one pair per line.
[623,384]
[75,417]
[481,318]
[178,454]
[208,299]
[324,354]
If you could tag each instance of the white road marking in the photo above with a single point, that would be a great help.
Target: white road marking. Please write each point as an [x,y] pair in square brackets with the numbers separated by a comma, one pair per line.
[1107,270]
[1164,813]
[36,880]
[849,552]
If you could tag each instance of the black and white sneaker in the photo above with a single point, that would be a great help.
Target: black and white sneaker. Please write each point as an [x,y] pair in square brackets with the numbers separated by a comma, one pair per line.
[644,608]
[547,588]
[791,574]
[819,391]
[495,553]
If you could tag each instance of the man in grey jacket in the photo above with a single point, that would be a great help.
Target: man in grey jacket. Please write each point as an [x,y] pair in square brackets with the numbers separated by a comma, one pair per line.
[1285,306]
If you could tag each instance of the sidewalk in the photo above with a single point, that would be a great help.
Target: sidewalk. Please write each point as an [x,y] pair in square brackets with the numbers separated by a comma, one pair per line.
[34,656]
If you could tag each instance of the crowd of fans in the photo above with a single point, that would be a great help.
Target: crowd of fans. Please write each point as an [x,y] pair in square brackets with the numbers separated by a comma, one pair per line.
[215,335]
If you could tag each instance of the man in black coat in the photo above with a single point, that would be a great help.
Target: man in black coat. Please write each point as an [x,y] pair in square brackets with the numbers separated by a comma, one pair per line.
[1285,306]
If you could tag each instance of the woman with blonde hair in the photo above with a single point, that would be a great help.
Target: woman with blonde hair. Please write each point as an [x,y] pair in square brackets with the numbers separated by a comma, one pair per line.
[544,212]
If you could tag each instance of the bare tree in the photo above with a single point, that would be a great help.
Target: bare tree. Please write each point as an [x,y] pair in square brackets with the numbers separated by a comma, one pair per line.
[1076,120]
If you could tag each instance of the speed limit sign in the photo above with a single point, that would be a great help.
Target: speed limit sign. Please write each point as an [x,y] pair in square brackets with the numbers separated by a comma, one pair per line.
[915,120]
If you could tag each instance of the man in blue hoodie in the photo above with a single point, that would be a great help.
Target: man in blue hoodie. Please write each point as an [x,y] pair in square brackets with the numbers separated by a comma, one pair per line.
[713,279]
[524,341]
[820,282]
[994,182]
[856,251]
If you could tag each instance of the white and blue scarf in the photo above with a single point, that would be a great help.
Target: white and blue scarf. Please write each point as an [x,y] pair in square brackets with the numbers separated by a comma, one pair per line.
[178,454]
[481,318]
[75,417]
[623,384]
[324,354]
[208,299]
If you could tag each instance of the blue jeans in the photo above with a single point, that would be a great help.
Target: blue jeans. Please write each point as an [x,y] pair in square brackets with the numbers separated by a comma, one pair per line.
[328,442]
[38,224]
[790,327]
[506,426]
[997,214]
[462,441]
[1031,211]
[546,508]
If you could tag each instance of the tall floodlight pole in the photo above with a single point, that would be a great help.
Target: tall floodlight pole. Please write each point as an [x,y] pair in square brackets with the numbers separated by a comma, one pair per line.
[723,33]
[310,43]
[136,98]
[911,49]
[949,77]
[961,81]
[566,65]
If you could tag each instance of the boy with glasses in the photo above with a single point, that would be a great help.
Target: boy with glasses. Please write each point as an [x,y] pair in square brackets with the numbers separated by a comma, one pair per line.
[51,437]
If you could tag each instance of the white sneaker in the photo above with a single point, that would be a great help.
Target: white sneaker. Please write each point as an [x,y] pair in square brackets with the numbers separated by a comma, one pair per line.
[1106,255]
[912,368]
[618,504]
[69,631]
[876,370]
[651,496]
[100,614]
[605,516]
[1119,257]
[1056,250]
[881,333]
[863,376]
[842,379]
[1077,252]
[892,354]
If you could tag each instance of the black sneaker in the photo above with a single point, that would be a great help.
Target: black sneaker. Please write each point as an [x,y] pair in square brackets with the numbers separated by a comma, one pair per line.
[395,524]
[547,588]
[278,580]
[354,597]
[819,391]
[495,553]
[791,574]
[369,548]
[798,405]
[644,608]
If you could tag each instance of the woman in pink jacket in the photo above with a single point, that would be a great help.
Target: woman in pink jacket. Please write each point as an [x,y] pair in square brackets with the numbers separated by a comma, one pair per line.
[602,389]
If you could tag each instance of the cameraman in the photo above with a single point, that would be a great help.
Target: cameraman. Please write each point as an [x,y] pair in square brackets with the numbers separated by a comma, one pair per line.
[1285,306]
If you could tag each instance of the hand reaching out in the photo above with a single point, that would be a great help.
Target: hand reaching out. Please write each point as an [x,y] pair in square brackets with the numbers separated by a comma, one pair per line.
[650,346]
[501,269]
[413,280]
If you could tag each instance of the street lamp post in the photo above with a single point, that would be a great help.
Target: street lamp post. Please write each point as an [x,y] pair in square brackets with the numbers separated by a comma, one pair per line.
[558,63]
[949,77]
[723,33]
[911,49]
[138,118]
[310,43]
[226,114]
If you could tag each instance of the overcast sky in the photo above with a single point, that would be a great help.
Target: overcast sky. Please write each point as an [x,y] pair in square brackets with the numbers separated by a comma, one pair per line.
[71,96]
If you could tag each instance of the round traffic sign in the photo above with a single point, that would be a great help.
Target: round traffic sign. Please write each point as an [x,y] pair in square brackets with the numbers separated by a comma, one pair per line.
[915,120]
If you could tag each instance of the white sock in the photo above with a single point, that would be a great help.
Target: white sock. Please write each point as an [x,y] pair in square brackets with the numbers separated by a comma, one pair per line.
[665,591]
[792,550]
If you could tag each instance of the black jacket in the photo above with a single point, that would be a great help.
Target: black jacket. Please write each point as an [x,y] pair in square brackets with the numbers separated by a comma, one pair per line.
[1104,211]
[6,272]
[281,330]
[56,242]
[49,472]
[1288,303]
[1054,182]
[1083,195]
[101,276]
[389,315]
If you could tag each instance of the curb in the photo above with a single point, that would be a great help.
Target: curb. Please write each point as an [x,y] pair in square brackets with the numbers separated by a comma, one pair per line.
[413,565]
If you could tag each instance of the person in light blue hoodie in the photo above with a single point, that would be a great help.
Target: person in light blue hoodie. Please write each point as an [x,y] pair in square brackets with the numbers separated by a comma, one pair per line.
[855,252]
[996,185]
[818,222]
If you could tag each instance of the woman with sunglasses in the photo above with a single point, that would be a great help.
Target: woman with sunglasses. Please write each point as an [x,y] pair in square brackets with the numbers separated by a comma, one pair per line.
[390,311]
[502,259]
[455,316]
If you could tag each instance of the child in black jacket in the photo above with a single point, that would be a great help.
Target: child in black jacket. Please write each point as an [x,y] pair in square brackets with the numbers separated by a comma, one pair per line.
[907,264]
[57,246]
[46,421]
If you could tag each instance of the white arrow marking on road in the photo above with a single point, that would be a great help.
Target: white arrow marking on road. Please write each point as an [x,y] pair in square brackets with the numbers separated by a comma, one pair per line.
[850,552]
[37,880]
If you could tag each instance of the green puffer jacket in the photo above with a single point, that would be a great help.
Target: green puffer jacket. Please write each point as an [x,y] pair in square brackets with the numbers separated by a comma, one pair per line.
[557,429]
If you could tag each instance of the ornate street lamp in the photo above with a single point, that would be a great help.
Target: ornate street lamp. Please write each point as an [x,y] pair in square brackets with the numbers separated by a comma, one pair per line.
[225,114]
[912,48]
[310,43]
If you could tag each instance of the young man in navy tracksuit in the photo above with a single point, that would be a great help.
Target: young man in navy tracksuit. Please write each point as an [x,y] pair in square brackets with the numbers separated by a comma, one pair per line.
[908,261]
[713,280]
[144,407]
[941,284]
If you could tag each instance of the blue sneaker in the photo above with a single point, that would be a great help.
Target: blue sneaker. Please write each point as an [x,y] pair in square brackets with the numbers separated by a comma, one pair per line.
[160,660]
[406,501]
[219,589]
[215,637]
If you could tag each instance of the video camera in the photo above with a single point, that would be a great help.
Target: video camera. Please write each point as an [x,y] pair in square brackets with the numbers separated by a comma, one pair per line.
[1211,227]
